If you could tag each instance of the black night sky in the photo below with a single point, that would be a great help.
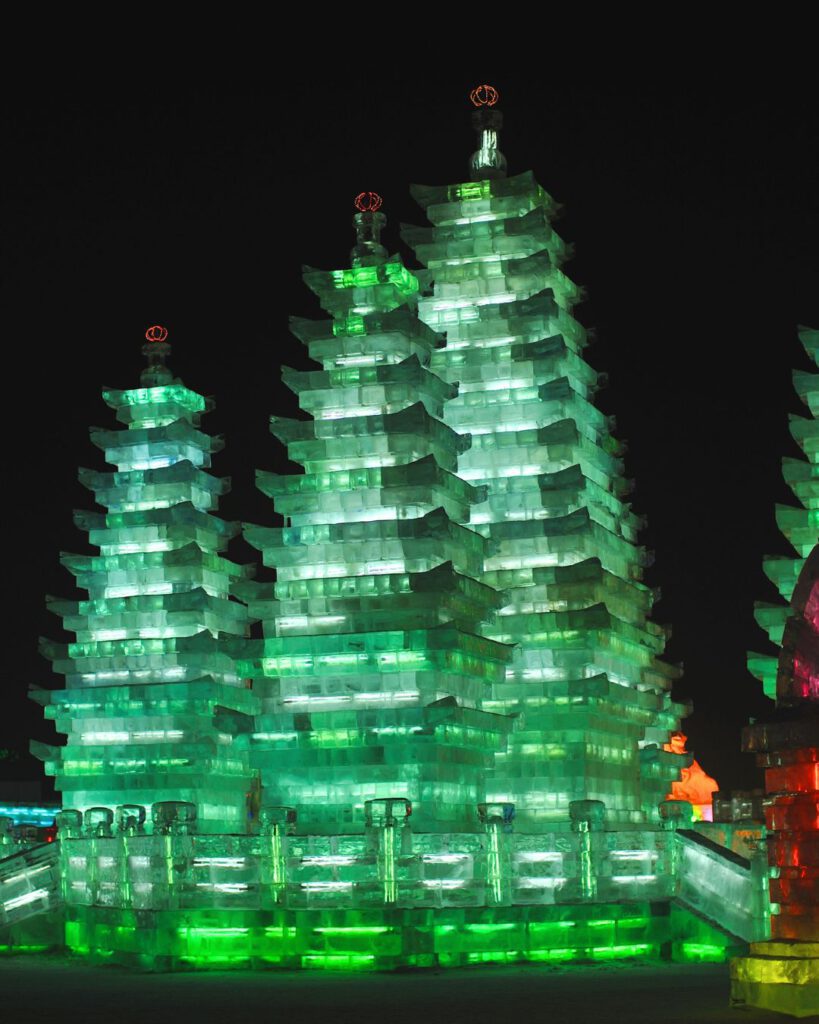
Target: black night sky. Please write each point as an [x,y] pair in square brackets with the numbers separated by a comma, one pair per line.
[695,220]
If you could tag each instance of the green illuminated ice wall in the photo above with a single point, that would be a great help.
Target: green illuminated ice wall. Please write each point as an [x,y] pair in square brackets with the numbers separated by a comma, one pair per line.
[153,707]
[372,673]
[591,693]
[800,523]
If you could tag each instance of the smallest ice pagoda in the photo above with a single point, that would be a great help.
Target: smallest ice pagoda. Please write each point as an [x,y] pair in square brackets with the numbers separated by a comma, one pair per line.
[153,709]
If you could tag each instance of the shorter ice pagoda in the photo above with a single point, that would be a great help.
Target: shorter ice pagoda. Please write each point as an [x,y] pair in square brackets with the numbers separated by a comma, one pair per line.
[373,672]
[153,708]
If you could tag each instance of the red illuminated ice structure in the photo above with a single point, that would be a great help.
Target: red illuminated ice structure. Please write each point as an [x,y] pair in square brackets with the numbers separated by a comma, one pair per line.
[783,973]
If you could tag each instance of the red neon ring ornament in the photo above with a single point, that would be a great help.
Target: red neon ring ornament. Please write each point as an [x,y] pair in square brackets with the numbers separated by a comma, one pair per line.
[368,202]
[156,333]
[484,96]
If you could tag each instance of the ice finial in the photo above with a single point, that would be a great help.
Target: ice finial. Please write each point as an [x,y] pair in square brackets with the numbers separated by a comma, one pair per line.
[368,223]
[487,120]
[156,351]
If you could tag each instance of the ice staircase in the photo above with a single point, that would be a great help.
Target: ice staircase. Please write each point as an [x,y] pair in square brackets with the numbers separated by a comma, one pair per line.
[29,884]
[724,887]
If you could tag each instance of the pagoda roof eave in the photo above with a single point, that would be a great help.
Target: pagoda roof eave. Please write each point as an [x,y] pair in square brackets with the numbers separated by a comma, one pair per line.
[434,195]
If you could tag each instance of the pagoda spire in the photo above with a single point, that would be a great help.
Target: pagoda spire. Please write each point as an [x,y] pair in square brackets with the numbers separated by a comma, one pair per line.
[156,350]
[368,223]
[487,161]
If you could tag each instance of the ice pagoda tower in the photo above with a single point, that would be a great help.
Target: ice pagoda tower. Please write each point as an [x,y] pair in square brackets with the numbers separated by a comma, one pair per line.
[800,523]
[590,691]
[372,673]
[153,708]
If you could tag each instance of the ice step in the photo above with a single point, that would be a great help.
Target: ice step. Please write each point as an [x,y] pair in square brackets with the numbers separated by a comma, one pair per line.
[29,883]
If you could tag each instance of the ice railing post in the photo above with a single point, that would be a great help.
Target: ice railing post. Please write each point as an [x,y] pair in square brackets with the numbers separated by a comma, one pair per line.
[69,826]
[275,824]
[674,814]
[97,823]
[130,820]
[761,874]
[587,816]
[387,830]
[497,819]
[172,820]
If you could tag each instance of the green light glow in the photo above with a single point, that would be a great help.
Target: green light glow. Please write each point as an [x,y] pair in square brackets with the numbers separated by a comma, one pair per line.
[350,325]
[14,949]
[386,273]
[170,394]
[702,952]
[353,930]
[329,962]
[384,937]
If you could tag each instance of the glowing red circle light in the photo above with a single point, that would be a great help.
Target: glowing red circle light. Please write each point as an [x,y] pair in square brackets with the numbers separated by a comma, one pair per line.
[484,96]
[156,333]
[368,202]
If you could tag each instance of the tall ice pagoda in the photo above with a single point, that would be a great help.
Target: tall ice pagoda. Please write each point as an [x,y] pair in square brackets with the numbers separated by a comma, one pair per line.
[586,681]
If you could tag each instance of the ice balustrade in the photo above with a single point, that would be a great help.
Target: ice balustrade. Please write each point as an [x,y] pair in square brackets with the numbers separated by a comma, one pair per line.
[599,889]
[725,886]
[122,860]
